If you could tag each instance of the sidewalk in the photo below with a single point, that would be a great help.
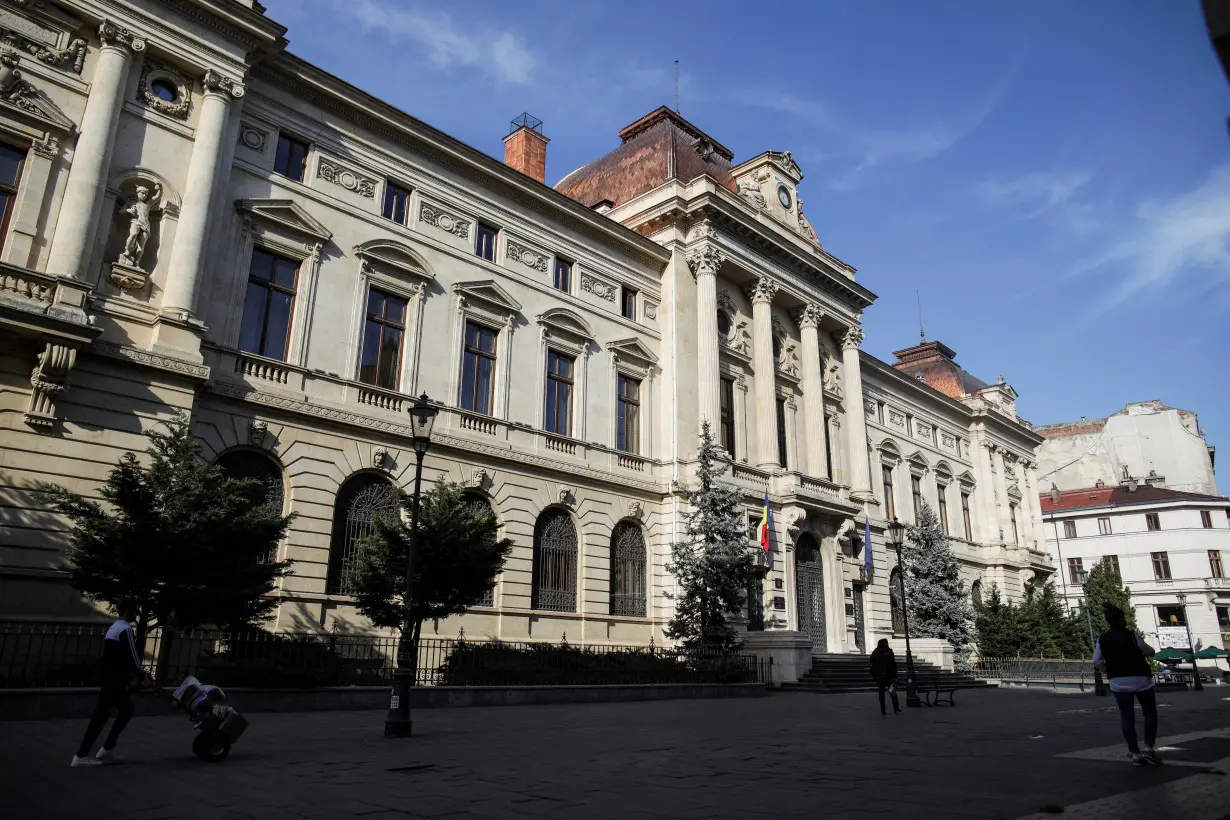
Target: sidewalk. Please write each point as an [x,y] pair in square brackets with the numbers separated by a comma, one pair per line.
[998,754]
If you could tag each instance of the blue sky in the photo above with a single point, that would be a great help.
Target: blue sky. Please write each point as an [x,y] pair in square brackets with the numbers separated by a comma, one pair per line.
[1053,178]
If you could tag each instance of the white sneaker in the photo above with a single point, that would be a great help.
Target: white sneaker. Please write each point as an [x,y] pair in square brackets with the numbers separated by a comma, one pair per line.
[105,755]
[85,761]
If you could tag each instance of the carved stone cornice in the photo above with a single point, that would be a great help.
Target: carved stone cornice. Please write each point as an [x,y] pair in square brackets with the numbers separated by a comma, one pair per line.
[215,82]
[71,56]
[143,357]
[118,37]
[705,260]
[762,290]
[852,339]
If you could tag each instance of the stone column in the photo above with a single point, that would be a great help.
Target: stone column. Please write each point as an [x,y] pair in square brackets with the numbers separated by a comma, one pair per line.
[1035,507]
[761,295]
[988,502]
[704,262]
[1001,496]
[87,176]
[1025,515]
[856,417]
[188,255]
[813,393]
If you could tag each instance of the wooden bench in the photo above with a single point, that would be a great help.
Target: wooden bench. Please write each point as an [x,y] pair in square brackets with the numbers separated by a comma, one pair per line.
[933,693]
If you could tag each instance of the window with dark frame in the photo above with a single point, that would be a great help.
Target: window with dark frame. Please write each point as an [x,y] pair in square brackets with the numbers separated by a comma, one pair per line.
[382,338]
[1161,566]
[563,275]
[1075,568]
[1113,561]
[12,162]
[969,531]
[1016,533]
[291,158]
[828,450]
[629,583]
[554,579]
[1171,615]
[890,503]
[1153,522]
[880,412]
[942,505]
[1215,564]
[396,203]
[916,495]
[628,416]
[559,393]
[484,241]
[1069,529]
[781,434]
[478,369]
[1104,526]
[268,305]
[1223,618]
[1206,519]
[627,303]
[726,398]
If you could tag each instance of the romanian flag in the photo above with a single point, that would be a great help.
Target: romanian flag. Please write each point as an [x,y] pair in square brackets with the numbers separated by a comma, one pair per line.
[766,523]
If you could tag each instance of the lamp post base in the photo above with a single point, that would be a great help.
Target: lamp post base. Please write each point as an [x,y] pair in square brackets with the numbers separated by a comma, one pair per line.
[1099,688]
[397,728]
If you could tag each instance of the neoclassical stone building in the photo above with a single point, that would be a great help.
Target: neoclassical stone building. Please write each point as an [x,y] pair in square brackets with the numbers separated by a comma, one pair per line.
[197,221]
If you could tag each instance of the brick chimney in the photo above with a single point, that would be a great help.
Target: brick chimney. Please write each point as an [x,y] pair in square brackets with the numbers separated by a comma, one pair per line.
[525,148]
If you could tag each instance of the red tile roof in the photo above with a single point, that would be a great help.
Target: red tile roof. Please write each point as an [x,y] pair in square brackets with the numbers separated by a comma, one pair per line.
[1117,496]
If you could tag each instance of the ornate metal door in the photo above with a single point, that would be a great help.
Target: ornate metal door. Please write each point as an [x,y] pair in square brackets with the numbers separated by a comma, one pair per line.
[860,639]
[809,584]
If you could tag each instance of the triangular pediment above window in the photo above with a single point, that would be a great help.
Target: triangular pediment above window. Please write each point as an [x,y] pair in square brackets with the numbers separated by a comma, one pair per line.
[564,321]
[387,256]
[24,101]
[286,215]
[633,349]
[489,293]
[919,462]
[966,479]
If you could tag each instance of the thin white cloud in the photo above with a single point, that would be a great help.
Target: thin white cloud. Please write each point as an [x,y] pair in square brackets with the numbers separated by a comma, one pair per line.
[1034,192]
[500,54]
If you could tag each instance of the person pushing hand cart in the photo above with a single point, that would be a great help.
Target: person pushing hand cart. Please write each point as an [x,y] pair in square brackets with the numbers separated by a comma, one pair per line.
[120,671]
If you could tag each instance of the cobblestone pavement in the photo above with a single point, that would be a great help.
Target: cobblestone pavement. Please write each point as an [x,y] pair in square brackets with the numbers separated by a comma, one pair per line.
[998,754]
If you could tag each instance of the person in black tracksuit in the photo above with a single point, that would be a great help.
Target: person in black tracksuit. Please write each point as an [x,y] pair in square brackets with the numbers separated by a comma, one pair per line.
[121,669]
[884,672]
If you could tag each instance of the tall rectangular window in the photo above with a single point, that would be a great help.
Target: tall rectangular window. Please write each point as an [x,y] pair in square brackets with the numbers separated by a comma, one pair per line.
[268,305]
[382,337]
[484,241]
[396,203]
[942,502]
[969,531]
[1069,529]
[628,416]
[11,163]
[880,412]
[559,393]
[1113,561]
[563,275]
[1016,534]
[1104,526]
[478,369]
[726,397]
[627,303]
[1161,566]
[781,434]
[1075,570]
[916,494]
[1206,519]
[1215,564]
[291,159]
[1152,522]
[890,503]
[828,449]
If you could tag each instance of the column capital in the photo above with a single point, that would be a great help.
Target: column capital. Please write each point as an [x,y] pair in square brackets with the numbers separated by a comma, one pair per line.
[705,260]
[853,338]
[217,83]
[762,290]
[809,316]
[118,37]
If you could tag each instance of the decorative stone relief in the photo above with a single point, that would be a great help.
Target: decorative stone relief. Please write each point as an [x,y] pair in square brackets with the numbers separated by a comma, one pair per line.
[126,271]
[352,181]
[444,220]
[380,458]
[651,310]
[922,429]
[603,290]
[705,259]
[152,72]
[635,509]
[832,378]
[256,432]
[896,418]
[805,225]
[750,191]
[762,290]
[852,339]
[218,83]
[71,56]
[252,137]
[48,146]
[566,495]
[809,316]
[526,256]
[49,379]
[727,303]
[869,407]
[948,441]
[477,479]
[119,37]
[13,88]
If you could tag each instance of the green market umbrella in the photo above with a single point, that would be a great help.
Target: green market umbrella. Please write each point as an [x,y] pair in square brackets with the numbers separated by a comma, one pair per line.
[1212,652]
[1170,655]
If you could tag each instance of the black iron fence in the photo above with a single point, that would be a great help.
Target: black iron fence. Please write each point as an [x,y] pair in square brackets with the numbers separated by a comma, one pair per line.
[67,655]
[1036,671]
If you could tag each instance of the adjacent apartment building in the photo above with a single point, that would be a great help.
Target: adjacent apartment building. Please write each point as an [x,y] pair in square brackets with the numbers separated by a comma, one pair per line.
[197,221]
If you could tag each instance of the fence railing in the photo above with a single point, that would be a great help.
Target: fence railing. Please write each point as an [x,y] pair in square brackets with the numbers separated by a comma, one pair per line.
[1035,670]
[67,655]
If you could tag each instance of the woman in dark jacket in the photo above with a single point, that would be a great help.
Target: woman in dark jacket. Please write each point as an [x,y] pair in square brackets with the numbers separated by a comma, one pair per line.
[1124,657]
[884,672]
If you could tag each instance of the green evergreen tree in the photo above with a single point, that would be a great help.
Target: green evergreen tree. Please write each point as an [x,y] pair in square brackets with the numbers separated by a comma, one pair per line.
[997,628]
[457,556]
[938,600]
[1104,585]
[1047,629]
[713,565]
[183,544]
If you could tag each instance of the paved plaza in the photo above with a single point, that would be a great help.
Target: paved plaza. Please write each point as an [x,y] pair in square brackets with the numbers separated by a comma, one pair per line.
[998,754]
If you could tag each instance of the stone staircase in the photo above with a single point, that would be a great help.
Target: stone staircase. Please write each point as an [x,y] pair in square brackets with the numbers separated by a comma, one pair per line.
[832,674]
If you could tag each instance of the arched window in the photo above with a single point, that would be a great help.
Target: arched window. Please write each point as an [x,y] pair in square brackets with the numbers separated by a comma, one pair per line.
[628,577]
[896,596]
[253,464]
[359,502]
[975,594]
[555,562]
[480,504]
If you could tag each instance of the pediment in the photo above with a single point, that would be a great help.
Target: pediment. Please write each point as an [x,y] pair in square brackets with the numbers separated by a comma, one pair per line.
[917,459]
[489,293]
[943,468]
[967,478]
[889,448]
[285,214]
[565,321]
[392,257]
[787,165]
[633,349]
[23,100]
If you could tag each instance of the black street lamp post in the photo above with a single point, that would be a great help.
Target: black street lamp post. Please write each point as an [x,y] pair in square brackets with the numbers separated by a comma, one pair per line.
[398,722]
[1099,688]
[1191,647]
[896,537]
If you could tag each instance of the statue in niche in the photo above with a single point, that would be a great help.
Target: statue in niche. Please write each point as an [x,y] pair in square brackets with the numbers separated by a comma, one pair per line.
[832,381]
[139,227]
[750,191]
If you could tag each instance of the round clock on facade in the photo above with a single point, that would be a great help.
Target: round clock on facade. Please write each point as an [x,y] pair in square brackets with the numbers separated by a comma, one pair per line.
[783,196]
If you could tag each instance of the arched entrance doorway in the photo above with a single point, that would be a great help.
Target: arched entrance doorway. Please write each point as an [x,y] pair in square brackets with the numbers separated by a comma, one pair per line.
[809,585]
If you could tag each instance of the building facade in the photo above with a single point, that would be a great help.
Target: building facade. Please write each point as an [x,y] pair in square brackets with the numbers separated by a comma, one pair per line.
[1169,546]
[198,222]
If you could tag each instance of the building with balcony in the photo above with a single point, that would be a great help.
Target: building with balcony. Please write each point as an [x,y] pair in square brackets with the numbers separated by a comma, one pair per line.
[1170,547]
[198,221]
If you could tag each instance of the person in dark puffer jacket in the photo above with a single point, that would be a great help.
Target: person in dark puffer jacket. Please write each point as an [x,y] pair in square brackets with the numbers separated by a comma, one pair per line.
[884,672]
[1124,657]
